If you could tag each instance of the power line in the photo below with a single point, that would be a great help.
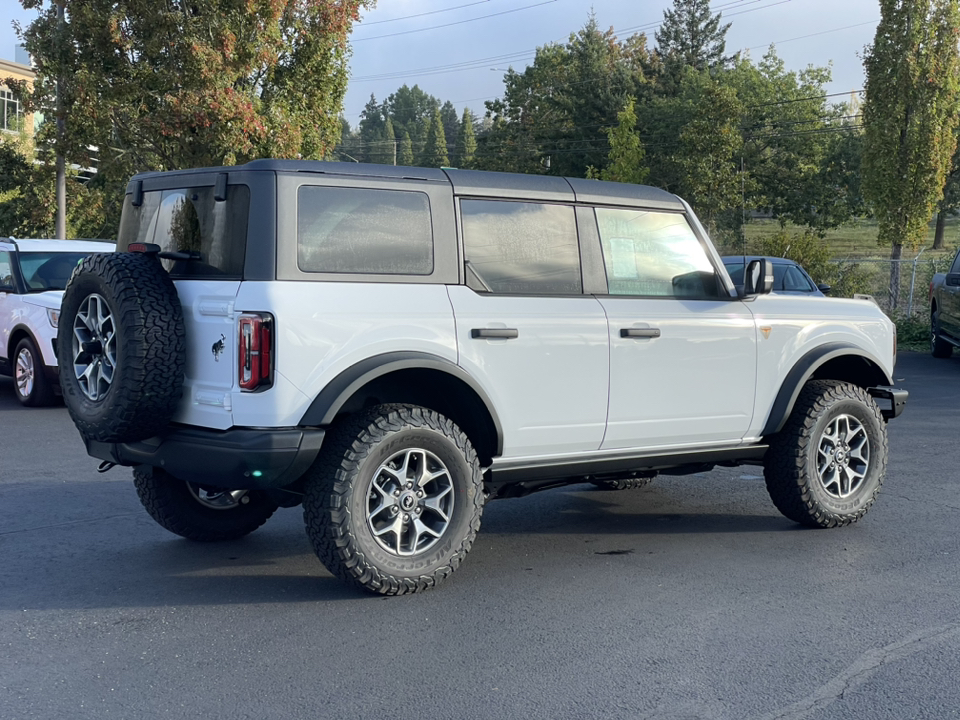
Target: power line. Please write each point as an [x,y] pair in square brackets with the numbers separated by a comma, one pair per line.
[423,14]
[822,32]
[459,22]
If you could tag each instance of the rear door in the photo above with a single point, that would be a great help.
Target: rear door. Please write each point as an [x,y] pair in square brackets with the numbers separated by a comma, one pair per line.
[526,330]
[683,361]
[950,296]
[192,221]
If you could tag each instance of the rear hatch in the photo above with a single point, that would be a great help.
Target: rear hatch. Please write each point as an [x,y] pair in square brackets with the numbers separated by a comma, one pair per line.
[189,220]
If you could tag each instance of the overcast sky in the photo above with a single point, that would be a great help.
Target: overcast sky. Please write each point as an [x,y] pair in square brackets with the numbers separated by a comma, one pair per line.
[464,61]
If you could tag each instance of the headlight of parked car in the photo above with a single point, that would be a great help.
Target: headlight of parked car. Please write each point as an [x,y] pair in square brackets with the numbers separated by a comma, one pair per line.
[53,316]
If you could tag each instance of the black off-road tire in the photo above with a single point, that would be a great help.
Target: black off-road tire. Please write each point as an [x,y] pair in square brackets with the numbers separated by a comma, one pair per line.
[41,392]
[150,347]
[340,484]
[623,483]
[172,504]
[939,347]
[791,464]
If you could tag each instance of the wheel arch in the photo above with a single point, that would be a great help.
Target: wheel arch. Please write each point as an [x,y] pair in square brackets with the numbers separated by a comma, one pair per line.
[416,378]
[833,361]
[18,333]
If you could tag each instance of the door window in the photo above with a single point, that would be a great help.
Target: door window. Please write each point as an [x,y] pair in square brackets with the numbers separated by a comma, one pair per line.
[654,254]
[6,272]
[521,248]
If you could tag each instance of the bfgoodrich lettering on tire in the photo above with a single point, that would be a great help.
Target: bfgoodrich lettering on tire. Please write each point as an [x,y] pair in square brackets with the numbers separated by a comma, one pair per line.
[121,347]
[825,468]
[393,503]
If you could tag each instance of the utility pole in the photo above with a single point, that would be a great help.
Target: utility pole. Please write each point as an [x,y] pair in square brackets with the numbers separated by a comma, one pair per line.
[61,127]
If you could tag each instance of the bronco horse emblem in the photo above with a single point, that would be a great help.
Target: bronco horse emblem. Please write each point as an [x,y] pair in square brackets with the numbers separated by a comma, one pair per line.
[218,347]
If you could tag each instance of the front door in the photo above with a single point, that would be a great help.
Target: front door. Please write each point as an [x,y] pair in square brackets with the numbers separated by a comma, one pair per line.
[683,361]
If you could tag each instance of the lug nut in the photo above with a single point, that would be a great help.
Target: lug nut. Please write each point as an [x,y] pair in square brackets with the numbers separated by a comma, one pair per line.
[419,510]
[396,493]
[419,493]
[409,485]
[406,518]
[245,500]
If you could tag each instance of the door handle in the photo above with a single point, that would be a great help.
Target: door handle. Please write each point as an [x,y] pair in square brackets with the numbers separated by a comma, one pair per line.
[494,333]
[639,332]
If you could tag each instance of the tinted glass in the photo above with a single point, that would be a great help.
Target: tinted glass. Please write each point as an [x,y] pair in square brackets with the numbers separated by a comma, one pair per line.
[654,254]
[49,270]
[522,248]
[795,281]
[190,220]
[956,264]
[356,230]
[6,270]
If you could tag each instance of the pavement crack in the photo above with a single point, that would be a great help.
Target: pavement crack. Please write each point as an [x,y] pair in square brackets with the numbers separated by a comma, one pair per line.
[67,523]
[862,670]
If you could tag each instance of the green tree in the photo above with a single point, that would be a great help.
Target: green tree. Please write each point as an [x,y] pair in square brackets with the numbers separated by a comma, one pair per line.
[370,130]
[709,151]
[190,83]
[435,147]
[451,127]
[411,109]
[910,118]
[466,141]
[405,153]
[626,161]
[691,36]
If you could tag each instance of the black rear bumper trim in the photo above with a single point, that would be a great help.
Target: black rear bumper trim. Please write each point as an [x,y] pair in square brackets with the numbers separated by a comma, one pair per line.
[896,396]
[239,458]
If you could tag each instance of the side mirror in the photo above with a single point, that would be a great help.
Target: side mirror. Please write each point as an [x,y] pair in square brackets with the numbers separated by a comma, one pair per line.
[823,287]
[758,279]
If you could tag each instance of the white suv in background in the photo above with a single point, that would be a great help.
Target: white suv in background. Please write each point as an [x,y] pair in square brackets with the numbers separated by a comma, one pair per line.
[33,275]
[392,347]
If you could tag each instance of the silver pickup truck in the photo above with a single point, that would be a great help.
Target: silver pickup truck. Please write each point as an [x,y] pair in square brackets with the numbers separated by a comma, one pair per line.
[945,311]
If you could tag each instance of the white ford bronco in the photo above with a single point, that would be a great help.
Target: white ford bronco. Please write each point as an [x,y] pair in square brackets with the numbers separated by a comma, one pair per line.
[392,347]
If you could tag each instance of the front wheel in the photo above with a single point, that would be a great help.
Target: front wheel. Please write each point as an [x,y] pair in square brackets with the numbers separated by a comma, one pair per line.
[394,501]
[30,383]
[825,468]
[198,513]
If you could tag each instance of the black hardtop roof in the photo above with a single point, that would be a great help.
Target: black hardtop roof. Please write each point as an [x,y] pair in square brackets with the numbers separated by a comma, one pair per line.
[478,183]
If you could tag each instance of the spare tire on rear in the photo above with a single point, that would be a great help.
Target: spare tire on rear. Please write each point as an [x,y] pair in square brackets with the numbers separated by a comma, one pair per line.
[121,347]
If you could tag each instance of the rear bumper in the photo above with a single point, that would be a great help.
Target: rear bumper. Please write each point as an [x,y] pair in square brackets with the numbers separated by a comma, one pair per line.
[239,458]
[897,398]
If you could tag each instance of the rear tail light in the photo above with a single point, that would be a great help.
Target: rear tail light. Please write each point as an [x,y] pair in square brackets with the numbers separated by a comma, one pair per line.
[255,351]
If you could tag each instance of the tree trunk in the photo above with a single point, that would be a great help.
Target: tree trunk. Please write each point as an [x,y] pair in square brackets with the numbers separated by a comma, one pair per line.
[895,254]
[941,224]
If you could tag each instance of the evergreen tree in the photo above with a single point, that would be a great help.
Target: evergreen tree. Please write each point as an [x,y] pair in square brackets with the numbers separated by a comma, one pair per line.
[388,155]
[466,141]
[691,35]
[371,129]
[451,128]
[435,147]
[910,119]
[405,153]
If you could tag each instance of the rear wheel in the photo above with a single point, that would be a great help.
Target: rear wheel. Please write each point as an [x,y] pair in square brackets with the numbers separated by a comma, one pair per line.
[825,468]
[939,347]
[394,501]
[30,383]
[199,513]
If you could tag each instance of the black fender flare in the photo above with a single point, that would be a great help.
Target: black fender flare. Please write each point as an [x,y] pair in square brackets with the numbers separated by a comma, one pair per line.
[338,391]
[802,371]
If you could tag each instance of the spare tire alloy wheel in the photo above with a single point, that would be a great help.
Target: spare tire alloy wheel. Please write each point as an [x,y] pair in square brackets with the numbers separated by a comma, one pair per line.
[393,502]
[826,466]
[30,384]
[94,347]
[121,347]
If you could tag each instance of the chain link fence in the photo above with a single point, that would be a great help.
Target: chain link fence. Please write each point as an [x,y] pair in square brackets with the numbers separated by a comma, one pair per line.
[905,292]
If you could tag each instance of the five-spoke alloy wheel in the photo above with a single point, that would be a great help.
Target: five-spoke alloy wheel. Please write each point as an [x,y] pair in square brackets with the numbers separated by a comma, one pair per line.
[29,381]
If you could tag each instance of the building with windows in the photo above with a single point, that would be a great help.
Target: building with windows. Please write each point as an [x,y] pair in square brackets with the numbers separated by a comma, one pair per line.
[12,117]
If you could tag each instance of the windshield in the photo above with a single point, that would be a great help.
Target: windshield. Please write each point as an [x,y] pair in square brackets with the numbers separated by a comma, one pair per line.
[786,278]
[48,270]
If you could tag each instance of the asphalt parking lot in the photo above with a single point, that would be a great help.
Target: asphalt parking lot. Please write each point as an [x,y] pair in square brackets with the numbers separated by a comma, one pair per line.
[692,598]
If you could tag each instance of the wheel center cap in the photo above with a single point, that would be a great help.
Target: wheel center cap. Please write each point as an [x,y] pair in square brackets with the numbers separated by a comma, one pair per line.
[408,501]
[94,347]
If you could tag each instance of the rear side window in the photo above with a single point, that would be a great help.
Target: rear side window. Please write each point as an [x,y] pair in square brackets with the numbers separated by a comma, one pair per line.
[190,220]
[364,231]
[521,248]
[654,254]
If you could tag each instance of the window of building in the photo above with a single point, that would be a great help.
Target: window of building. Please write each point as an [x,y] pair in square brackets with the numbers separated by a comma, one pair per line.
[10,116]
[521,247]
[654,254]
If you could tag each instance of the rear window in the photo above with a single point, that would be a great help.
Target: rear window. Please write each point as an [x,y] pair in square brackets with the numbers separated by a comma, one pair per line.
[364,231]
[190,220]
